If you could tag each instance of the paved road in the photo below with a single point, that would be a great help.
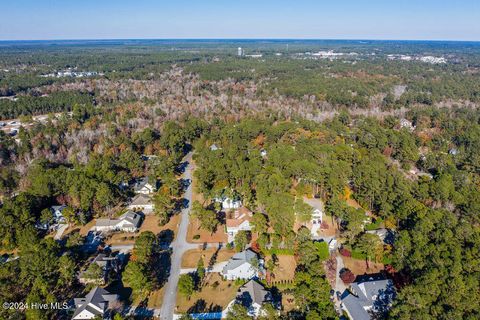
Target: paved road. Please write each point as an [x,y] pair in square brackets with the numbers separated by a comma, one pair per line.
[339,285]
[179,246]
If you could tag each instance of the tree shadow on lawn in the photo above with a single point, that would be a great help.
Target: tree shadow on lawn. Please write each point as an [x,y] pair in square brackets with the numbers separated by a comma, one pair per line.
[200,306]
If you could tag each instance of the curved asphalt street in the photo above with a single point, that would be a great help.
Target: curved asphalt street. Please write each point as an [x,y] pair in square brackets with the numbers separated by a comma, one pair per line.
[179,246]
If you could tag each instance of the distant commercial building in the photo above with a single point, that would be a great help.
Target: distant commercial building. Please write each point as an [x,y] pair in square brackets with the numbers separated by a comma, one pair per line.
[240,52]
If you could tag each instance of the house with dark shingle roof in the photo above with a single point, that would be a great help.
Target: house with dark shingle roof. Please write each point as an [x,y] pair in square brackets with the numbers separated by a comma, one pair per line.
[253,296]
[366,298]
[106,263]
[96,303]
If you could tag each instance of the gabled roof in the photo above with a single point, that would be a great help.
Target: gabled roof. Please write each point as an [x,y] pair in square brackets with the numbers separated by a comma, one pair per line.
[95,302]
[141,200]
[239,216]
[368,295]
[240,258]
[131,218]
[253,292]
[59,208]
[141,183]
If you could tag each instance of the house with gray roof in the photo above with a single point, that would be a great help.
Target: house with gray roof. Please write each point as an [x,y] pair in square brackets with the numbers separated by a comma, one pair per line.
[253,296]
[142,202]
[95,304]
[243,265]
[128,222]
[105,263]
[365,300]
[144,186]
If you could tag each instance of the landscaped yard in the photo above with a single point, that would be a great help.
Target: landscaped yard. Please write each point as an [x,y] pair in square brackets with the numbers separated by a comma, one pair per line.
[285,270]
[359,267]
[155,299]
[205,236]
[215,295]
[191,257]
[149,224]
[83,230]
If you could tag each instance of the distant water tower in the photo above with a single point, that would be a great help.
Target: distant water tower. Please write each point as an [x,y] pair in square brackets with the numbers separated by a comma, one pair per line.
[240,51]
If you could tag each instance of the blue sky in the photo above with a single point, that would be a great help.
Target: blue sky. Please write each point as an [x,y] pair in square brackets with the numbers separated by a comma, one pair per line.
[305,19]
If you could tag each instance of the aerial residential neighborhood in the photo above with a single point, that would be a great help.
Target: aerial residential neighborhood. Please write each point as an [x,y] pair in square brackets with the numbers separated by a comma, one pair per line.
[266,160]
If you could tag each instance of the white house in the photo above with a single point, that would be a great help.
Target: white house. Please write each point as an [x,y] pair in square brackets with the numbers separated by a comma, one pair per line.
[243,265]
[237,221]
[214,147]
[142,202]
[128,222]
[229,203]
[253,296]
[407,124]
[144,186]
[317,215]
[95,304]
[58,213]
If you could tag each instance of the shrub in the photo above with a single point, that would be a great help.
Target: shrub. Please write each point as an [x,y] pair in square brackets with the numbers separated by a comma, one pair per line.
[322,249]
[347,276]
[196,237]
[346,253]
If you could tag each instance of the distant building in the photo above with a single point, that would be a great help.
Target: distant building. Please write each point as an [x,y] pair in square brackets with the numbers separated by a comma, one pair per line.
[404,123]
[128,222]
[254,55]
[94,305]
[243,265]
[214,147]
[239,52]
[366,300]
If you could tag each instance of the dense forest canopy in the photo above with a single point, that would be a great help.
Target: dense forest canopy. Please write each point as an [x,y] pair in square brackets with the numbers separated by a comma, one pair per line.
[398,137]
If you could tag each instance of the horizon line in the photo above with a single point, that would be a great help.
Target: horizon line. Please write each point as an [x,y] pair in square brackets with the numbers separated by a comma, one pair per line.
[235,39]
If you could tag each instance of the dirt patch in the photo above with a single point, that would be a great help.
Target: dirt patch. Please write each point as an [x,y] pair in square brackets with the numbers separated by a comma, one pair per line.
[191,257]
[149,224]
[205,236]
[83,230]
[155,299]
[214,296]
[359,267]
[285,269]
